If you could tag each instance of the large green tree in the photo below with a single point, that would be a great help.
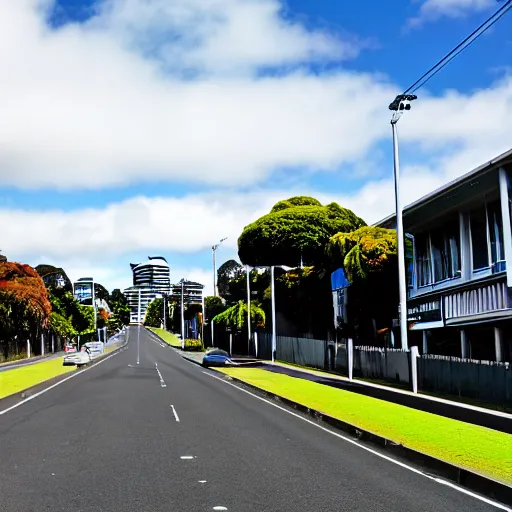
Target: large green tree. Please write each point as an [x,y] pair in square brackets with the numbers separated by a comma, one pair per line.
[227,273]
[296,230]
[54,278]
[236,315]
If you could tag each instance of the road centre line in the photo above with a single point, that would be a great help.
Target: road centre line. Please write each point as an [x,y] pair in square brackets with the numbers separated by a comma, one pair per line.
[162,383]
[374,452]
[175,413]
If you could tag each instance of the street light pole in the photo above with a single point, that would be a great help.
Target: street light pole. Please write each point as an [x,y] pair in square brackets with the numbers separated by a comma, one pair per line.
[138,332]
[165,317]
[182,318]
[214,248]
[248,309]
[400,104]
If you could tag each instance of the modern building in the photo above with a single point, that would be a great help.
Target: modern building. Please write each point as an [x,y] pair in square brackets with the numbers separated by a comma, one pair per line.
[86,290]
[151,279]
[459,290]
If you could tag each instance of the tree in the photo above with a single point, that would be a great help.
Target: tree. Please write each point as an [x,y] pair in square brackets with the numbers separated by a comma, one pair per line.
[120,310]
[155,313]
[296,230]
[54,278]
[369,259]
[236,316]
[24,305]
[227,272]
[364,252]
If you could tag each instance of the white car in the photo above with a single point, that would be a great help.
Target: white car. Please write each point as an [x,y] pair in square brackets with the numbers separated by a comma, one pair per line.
[77,358]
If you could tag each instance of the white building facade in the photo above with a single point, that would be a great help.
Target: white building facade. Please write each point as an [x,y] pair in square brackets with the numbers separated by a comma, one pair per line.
[151,279]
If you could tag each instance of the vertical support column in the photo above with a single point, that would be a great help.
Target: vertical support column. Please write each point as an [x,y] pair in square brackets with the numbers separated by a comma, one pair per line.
[498,344]
[507,230]
[425,341]
[350,358]
[464,345]
[42,344]
[213,330]
[248,309]
[256,343]
[28,348]
[182,318]
[273,295]
[53,343]
[230,344]
[414,353]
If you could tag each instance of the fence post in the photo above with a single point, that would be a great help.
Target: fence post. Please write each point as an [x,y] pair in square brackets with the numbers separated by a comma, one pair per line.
[350,357]
[256,343]
[53,343]
[42,344]
[28,348]
[230,344]
[414,368]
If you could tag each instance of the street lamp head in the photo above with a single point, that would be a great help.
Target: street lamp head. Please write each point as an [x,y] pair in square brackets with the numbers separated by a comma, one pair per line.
[402,102]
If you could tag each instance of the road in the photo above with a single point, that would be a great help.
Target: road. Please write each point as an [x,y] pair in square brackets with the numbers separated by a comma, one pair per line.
[108,440]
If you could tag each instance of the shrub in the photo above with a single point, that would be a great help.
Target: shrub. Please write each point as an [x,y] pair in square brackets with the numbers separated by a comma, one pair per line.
[194,345]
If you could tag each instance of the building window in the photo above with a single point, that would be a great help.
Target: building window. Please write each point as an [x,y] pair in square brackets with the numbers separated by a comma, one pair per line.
[479,242]
[487,238]
[445,243]
[496,236]
[423,266]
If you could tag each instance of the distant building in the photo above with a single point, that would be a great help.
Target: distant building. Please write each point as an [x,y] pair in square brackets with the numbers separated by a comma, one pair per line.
[459,299]
[151,279]
[86,290]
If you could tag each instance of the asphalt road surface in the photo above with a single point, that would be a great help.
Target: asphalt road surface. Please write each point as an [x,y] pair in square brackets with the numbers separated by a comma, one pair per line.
[108,440]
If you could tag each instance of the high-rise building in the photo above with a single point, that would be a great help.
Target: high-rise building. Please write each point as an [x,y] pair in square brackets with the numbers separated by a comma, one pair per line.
[151,279]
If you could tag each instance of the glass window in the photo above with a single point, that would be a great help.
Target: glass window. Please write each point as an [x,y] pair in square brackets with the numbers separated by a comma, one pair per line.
[496,236]
[423,267]
[479,244]
[445,244]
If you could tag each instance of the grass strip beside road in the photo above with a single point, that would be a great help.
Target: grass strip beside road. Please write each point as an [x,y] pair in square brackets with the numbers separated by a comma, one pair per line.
[18,379]
[166,336]
[478,449]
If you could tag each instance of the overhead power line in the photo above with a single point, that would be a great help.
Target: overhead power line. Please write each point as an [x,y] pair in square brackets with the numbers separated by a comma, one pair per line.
[479,31]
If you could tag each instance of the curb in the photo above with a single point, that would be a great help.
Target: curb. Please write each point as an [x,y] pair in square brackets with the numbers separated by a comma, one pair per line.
[434,467]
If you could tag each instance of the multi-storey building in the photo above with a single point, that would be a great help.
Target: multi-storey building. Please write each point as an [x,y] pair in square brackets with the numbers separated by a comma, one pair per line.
[151,279]
[459,298]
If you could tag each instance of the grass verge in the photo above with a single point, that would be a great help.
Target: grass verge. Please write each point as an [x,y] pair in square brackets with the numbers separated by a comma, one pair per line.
[18,379]
[169,338]
[478,449]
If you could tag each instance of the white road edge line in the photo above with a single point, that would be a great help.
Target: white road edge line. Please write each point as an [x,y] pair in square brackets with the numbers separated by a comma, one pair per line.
[79,372]
[381,455]
[175,413]
[162,383]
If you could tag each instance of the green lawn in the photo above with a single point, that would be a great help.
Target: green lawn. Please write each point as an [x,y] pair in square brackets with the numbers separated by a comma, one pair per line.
[16,380]
[169,338]
[479,449]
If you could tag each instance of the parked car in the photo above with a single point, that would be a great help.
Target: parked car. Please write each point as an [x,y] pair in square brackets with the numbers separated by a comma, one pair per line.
[78,358]
[217,357]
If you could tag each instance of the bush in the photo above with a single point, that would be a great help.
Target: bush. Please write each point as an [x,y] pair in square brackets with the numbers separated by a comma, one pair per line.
[194,345]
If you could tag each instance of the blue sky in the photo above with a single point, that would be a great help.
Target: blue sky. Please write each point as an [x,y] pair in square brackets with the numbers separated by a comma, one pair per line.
[134,128]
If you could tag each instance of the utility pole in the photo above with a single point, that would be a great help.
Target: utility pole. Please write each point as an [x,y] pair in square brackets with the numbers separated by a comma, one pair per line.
[182,317]
[400,104]
[138,333]
[214,248]
[273,295]
[248,309]
[165,316]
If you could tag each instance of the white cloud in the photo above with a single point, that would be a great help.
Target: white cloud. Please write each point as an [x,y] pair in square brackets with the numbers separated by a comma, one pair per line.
[431,10]
[104,104]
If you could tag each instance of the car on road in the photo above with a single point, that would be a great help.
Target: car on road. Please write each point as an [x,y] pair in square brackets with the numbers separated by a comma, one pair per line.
[217,357]
[78,358]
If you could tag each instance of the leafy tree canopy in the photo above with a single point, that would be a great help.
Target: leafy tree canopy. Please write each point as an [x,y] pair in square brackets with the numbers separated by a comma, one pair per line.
[55,278]
[364,252]
[228,271]
[236,316]
[284,236]
[295,201]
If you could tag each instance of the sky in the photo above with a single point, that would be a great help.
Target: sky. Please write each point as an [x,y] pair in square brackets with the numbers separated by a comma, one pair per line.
[136,128]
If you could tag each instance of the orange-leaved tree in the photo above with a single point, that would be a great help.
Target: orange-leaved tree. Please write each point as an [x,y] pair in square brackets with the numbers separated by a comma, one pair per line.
[24,304]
